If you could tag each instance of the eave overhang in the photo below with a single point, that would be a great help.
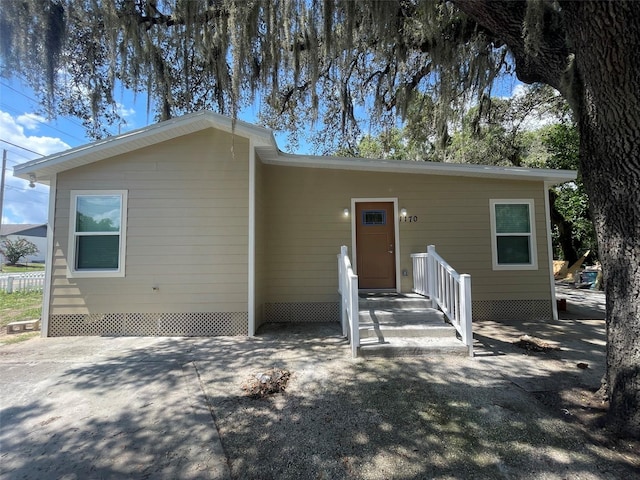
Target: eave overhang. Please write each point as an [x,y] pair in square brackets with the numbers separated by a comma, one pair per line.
[44,168]
[262,140]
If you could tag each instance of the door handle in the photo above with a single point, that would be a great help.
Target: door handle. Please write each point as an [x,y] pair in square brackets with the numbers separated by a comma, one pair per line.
[390,249]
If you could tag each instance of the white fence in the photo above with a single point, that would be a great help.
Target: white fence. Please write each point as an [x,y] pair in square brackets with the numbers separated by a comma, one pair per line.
[349,309]
[21,282]
[434,277]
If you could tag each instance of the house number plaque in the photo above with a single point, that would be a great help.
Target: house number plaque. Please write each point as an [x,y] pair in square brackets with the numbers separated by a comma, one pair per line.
[409,219]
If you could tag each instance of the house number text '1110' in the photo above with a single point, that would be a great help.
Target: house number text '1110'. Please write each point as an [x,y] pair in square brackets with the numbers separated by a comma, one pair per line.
[409,218]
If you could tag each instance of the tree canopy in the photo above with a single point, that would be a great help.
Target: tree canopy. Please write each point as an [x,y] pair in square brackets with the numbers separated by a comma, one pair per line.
[335,58]
[326,60]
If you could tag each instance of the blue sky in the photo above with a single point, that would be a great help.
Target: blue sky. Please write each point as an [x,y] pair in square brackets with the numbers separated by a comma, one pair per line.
[26,135]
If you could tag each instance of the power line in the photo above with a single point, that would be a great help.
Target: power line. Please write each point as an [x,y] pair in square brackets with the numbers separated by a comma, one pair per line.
[29,192]
[18,154]
[23,148]
[68,119]
[11,159]
[17,112]
[35,101]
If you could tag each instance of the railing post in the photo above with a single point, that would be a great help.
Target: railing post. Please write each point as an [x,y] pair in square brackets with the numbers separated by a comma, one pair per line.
[355,317]
[466,314]
[341,289]
[431,276]
[10,285]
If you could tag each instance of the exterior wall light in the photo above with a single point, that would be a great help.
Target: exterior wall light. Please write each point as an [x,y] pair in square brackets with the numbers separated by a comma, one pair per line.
[403,212]
[346,212]
[32,180]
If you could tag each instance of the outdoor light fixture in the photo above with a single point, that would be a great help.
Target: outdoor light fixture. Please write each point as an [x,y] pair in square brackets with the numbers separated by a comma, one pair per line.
[346,212]
[32,180]
[403,212]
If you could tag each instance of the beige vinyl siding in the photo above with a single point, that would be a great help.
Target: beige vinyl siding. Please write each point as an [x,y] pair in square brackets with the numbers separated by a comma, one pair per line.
[306,227]
[187,229]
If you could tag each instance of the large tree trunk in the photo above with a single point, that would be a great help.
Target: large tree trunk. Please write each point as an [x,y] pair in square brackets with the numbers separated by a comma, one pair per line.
[606,37]
[590,52]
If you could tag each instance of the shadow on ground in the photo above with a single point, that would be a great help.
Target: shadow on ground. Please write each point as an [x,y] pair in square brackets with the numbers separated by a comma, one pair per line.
[143,408]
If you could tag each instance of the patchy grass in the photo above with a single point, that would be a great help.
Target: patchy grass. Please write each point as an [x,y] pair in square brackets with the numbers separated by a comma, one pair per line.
[20,268]
[19,306]
[21,337]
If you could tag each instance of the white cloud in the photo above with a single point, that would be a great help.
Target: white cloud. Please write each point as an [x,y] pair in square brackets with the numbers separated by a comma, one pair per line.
[12,130]
[519,90]
[125,112]
[30,121]
[23,204]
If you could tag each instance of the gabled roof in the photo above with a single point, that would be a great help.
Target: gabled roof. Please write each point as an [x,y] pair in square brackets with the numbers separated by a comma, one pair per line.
[44,168]
[26,229]
[267,151]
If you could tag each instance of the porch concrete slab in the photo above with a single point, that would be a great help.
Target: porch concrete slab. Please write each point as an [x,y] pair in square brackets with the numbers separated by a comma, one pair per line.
[91,407]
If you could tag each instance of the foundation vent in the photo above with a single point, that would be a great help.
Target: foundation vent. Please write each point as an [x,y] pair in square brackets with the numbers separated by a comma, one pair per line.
[302,312]
[512,309]
[199,324]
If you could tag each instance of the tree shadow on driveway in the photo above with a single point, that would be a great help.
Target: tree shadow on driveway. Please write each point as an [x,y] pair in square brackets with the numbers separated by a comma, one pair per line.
[143,408]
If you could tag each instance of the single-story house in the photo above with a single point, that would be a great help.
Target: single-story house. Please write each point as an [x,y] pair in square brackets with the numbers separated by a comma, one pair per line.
[201,226]
[34,233]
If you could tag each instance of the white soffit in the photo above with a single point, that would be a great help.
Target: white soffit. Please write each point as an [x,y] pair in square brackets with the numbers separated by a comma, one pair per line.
[273,157]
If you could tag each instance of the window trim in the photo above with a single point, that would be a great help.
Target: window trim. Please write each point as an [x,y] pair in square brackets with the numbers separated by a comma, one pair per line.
[72,272]
[533,264]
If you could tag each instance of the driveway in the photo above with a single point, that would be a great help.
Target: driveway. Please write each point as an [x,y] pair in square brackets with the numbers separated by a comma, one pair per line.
[175,408]
[91,407]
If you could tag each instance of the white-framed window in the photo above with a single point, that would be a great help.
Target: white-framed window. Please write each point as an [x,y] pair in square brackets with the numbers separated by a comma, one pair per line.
[513,235]
[97,233]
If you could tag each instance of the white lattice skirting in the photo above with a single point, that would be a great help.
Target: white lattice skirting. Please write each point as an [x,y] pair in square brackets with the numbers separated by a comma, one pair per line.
[302,312]
[201,324]
[512,309]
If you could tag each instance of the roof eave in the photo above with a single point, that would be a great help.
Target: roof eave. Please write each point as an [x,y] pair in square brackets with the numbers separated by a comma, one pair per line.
[274,157]
[44,168]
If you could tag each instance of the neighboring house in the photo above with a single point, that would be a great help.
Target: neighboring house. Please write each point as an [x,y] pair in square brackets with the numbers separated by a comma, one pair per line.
[36,234]
[201,226]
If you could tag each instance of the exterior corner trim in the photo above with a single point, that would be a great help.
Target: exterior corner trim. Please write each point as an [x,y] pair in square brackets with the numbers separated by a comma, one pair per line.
[251,300]
[48,265]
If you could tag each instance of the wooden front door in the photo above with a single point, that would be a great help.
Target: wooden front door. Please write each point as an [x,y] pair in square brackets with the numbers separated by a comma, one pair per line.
[375,245]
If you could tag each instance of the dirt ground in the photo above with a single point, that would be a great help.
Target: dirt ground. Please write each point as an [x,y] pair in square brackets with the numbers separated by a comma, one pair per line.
[507,413]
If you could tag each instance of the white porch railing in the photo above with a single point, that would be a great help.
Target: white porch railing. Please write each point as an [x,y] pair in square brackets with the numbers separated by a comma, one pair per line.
[349,310]
[449,290]
[18,282]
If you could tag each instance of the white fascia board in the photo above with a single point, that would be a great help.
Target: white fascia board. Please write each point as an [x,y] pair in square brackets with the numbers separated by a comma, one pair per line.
[45,167]
[417,167]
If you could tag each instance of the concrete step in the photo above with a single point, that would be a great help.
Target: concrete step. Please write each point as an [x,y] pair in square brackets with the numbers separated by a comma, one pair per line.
[382,332]
[394,301]
[398,325]
[412,347]
[418,322]
[401,316]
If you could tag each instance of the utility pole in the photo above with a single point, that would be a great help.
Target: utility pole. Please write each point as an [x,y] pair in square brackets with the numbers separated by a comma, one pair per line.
[2,173]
